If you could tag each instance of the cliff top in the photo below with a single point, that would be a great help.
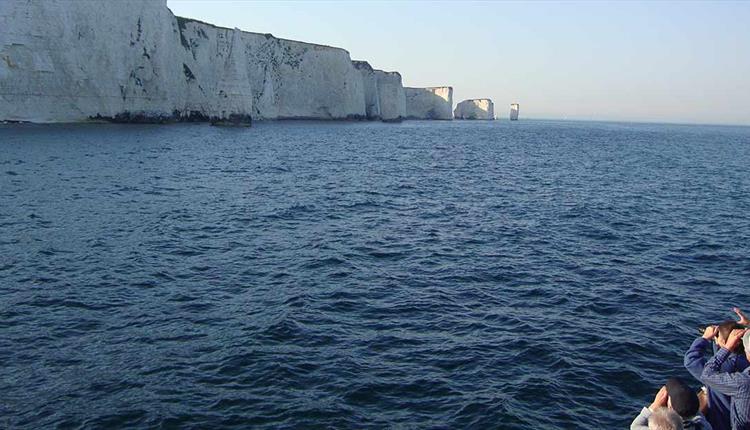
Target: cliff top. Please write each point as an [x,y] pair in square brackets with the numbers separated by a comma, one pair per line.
[182,20]
[361,64]
[429,88]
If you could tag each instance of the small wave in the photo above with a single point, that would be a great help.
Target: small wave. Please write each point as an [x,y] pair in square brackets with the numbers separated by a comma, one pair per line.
[292,212]
[313,282]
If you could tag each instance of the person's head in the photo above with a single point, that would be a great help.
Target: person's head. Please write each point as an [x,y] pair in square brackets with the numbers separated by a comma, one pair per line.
[664,419]
[681,398]
[724,329]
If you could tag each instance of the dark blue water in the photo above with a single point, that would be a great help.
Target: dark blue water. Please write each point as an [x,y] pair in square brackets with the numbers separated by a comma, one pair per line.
[361,275]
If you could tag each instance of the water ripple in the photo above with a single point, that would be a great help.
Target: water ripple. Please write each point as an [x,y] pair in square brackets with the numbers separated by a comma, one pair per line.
[333,275]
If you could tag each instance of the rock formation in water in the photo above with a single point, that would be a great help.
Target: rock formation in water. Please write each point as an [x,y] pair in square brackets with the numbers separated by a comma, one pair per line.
[429,103]
[475,109]
[514,111]
[134,61]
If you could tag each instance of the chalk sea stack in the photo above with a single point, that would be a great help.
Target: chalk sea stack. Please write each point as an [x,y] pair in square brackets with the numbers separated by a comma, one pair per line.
[475,109]
[514,108]
[429,103]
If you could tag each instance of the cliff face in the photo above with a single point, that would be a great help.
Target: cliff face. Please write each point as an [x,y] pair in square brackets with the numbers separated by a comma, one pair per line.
[66,61]
[233,99]
[370,89]
[134,61]
[383,93]
[429,103]
[475,109]
[302,80]
[391,95]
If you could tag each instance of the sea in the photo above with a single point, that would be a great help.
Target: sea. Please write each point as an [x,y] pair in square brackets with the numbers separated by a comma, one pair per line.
[353,275]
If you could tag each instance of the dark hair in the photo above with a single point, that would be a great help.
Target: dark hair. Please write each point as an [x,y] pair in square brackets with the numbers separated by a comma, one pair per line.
[725,328]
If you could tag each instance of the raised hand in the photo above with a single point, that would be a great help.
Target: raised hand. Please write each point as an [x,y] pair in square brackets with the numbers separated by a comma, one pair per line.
[711,332]
[735,337]
[660,401]
[743,319]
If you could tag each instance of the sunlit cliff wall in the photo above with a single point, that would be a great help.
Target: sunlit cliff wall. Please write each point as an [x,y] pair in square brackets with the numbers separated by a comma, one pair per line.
[67,60]
[475,109]
[429,103]
[134,61]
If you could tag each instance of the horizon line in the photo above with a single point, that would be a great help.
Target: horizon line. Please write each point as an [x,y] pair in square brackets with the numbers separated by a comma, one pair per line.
[627,121]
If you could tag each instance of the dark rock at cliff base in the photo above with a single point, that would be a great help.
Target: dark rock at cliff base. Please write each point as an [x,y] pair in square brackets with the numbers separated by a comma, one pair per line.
[233,120]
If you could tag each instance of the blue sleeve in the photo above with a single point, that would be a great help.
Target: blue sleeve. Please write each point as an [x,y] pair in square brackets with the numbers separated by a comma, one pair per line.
[723,382]
[695,359]
[704,422]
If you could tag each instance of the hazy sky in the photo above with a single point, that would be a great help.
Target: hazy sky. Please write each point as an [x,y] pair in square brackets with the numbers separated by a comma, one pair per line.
[668,61]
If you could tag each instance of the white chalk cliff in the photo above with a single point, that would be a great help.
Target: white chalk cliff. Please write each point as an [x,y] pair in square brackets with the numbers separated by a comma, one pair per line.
[383,93]
[429,103]
[134,61]
[475,109]
[67,61]
[391,95]
[233,101]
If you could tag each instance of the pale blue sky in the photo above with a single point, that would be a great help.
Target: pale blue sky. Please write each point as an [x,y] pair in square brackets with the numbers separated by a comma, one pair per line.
[653,61]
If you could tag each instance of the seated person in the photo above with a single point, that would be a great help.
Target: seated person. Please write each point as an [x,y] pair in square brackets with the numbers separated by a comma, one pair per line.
[735,384]
[677,396]
[717,404]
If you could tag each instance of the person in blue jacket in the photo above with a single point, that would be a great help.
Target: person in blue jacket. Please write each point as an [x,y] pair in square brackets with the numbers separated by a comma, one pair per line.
[718,413]
[736,385]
